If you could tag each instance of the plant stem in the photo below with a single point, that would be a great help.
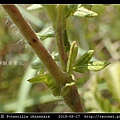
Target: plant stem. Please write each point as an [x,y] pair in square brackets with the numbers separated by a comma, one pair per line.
[34,42]
[72,97]
[60,32]
[73,100]
[59,24]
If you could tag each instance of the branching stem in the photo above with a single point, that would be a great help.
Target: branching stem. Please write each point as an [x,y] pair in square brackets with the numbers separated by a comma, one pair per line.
[72,97]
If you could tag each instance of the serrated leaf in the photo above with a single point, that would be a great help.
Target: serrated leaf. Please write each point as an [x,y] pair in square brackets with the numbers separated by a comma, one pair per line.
[41,78]
[83,12]
[93,66]
[85,58]
[35,7]
[48,80]
[97,65]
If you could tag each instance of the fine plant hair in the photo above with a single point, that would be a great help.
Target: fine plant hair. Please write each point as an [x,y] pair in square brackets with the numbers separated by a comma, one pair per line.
[60,80]
[23,44]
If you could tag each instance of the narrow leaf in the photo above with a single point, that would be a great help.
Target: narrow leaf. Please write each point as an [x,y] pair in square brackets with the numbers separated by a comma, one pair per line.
[72,55]
[85,58]
[80,69]
[97,65]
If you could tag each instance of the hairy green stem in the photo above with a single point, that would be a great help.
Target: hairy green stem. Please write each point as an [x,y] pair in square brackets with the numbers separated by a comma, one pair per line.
[59,24]
[60,35]
[34,42]
[72,97]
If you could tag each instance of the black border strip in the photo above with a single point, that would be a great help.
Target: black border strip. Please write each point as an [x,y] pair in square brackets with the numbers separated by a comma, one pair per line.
[61,115]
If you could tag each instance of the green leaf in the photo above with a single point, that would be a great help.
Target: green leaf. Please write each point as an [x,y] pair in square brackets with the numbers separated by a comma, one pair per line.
[72,55]
[80,69]
[93,66]
[48,80]
[42,78]
[83,12]
[74,52]
[85,58]
[97,65]
[35,7]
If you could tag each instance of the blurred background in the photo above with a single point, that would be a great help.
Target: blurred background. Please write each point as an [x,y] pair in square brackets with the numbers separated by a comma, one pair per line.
[100,91]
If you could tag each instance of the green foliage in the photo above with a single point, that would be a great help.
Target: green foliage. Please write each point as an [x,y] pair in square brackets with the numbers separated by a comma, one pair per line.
[48,80]
[83,12]
[72,55]
[84,63]
[97,65]
[80,11]
[98,35]
[85,58]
